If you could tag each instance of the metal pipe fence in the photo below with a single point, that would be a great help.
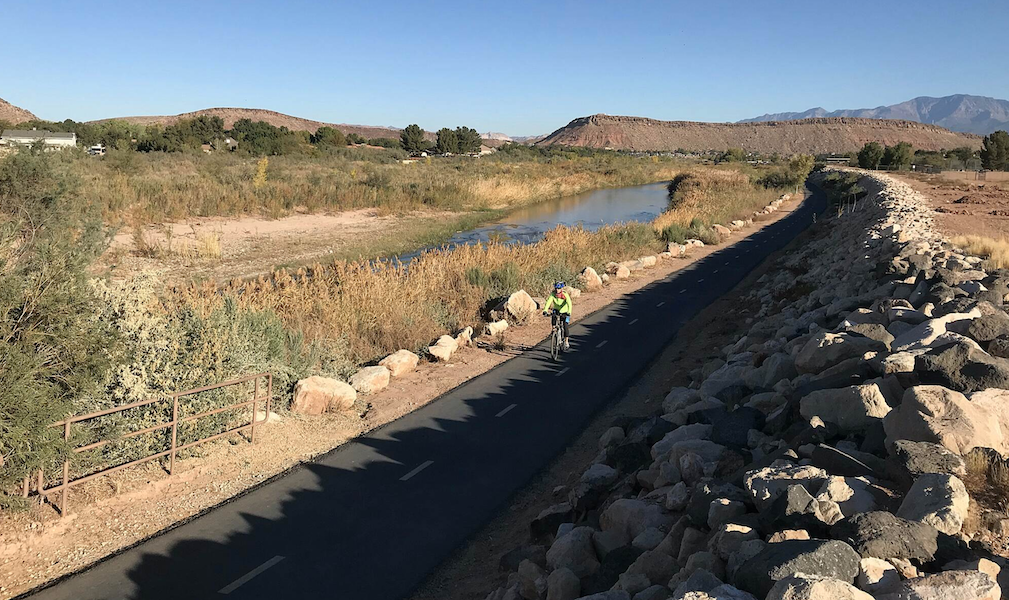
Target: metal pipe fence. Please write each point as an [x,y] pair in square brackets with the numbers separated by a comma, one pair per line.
[66,482]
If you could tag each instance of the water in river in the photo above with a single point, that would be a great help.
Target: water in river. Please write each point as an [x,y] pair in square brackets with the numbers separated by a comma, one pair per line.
[591,210]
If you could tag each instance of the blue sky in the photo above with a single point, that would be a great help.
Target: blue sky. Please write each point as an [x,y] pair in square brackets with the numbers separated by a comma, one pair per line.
[520,67]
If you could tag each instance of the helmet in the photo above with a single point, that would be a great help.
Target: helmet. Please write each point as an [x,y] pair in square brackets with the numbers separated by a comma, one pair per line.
[559,285]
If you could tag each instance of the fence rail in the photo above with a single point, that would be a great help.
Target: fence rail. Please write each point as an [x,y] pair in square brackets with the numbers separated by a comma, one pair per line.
[66,483]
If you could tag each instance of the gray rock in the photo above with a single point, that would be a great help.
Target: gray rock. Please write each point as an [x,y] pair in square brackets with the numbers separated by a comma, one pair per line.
[532,581]
[917,458]
[962,585]
[678,497]
[880,534]
[851,494]
[852,409]
[729,538]
[825,558]
[656,566]
[873,332]
[877,576]
[700,580]
[802,586]
[630,517]
[648,539]
[766,484]
[796,508]
[608,595]
[999,347]
[694,431]
[724,510]
[600,475]
[574,551]
[563,584]
[827,349]
[963,368]
[988,327]
[655,592]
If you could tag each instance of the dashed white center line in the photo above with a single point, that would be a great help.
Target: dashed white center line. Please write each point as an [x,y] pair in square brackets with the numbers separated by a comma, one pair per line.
[601,344]
[700,281]
[683,290]
[562,371]
[422,466]
[505,411]
[660,304]
[716,270]
[244,579]
[633,322]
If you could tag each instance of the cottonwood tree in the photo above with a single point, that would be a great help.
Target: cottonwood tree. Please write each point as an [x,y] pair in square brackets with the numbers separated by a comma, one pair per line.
[870,155]
[995,151]
[898,156]
[329,136]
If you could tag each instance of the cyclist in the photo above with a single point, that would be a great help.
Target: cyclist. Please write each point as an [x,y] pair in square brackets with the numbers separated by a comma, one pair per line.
[560,303]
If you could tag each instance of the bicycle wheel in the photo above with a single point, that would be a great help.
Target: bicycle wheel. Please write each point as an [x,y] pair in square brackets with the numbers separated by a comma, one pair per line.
[555,343]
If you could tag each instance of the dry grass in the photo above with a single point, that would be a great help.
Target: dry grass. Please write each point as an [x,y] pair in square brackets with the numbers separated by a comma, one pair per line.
[151,188]
[372,309]
[713,196]
[994,251]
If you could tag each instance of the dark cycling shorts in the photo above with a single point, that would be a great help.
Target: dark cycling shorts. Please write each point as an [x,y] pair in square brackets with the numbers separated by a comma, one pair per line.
[565,321]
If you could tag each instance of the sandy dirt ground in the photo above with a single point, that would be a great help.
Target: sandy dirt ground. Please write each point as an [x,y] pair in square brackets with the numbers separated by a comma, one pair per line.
[114,512]
[474,571]
[965,207]
[221,248]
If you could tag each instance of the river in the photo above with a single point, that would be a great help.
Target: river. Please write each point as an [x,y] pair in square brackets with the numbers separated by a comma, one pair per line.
[591,210]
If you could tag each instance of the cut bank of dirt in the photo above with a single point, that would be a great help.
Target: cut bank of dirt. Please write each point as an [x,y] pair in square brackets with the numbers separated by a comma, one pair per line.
[114,512]
[965,207]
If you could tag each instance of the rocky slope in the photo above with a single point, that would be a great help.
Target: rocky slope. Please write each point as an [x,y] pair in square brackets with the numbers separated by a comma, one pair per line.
[825,455]
[230,115]
[13,114]
[812,136]
[959,112]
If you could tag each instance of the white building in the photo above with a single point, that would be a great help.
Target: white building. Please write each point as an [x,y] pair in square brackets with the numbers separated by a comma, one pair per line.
[27,137]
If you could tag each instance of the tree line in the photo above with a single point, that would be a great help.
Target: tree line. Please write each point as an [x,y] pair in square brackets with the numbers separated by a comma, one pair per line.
[994,155]
[257,138]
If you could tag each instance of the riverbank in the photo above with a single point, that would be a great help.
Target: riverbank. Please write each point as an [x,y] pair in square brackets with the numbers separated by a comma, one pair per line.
[114,512]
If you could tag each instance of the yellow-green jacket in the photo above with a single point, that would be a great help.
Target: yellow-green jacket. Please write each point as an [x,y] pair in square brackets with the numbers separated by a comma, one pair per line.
[563,305]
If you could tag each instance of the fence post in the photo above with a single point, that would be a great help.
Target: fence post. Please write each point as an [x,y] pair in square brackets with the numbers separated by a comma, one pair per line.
[42,498]
[269,393]
[24,488]
[255,401]
[66,471]
[175,432]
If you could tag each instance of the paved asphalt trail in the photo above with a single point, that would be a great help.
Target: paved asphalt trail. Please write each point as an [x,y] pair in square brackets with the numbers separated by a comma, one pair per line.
[369,520]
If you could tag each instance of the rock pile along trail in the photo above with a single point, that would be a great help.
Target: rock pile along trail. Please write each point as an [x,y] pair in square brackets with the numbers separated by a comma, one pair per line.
[851,445]
[374,517]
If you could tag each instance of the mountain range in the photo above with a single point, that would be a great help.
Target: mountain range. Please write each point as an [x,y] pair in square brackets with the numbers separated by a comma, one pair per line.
[14,114]
[959,112]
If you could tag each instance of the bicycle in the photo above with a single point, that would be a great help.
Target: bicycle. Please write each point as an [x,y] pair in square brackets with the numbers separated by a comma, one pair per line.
[556,335]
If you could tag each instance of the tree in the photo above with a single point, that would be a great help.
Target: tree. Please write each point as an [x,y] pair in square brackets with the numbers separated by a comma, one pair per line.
[898,156]
[870,155]
[995,151]
[801,165]
[963,154]
[469,140]
[732,155]
[328,136]
[448,141]
[354,139]
[384,142]
[413,139]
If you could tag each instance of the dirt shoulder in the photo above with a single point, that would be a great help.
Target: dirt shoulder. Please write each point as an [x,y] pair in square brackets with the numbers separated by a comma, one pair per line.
[473,571]
[115,512]
[965,207]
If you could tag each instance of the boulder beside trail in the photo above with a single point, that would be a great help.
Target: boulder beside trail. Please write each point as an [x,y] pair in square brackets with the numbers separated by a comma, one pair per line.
[400,362]
[315,395]
[589,279]
[931,413]
[370,380]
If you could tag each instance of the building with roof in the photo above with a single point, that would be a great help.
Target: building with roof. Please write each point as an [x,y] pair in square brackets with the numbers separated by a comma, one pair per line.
[52,140]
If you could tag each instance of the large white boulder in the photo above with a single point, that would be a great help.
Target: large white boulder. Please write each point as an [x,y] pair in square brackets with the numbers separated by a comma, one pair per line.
[939,499]
[400,362]
[589,279]
[316,395]
[370,380]
[852,409]
[932,413]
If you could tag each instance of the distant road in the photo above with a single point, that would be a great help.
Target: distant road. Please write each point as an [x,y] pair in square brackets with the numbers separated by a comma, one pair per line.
[371,519]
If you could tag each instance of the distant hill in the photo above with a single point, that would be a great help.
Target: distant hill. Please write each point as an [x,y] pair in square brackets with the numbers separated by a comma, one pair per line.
[959,112]
[230,115]
[493,135]
[13,114]
[813,136]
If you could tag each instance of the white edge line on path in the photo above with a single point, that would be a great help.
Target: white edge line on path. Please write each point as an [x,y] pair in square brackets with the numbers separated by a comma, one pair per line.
[601,344]
[633,322]
[244,579]
[660,304]
[562,371]
[422,466]
[505,411]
